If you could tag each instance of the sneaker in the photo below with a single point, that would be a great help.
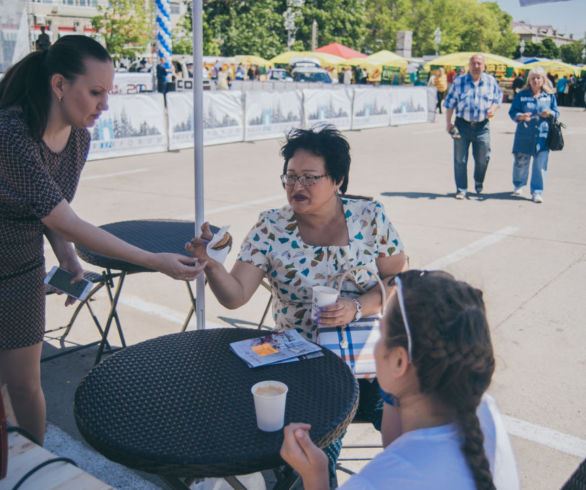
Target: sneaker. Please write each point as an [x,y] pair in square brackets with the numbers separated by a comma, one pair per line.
[478,189]
[460,194]
[518,191]
[538,198]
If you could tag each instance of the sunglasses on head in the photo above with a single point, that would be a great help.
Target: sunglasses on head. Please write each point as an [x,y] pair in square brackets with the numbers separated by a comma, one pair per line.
[398,281]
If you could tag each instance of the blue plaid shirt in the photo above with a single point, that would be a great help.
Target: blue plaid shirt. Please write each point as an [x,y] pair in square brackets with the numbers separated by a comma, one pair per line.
[472,101]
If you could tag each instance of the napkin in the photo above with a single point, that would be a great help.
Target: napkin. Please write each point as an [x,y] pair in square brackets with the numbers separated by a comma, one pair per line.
[219,255]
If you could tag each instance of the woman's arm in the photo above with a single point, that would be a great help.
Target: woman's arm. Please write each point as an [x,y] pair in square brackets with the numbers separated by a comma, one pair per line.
[344,311]
[67,258]
[235,288]
[232,289]
[64,222]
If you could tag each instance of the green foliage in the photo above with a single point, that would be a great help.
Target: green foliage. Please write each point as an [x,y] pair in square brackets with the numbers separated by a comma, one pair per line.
[257,27]
[572,53]
[549,49]
[342,21]
[183,34]
[125,27]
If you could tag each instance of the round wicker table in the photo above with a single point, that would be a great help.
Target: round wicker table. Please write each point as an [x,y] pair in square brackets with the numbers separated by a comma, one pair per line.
[180,405]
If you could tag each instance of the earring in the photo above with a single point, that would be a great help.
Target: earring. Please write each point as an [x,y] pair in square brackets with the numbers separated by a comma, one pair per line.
[60,99]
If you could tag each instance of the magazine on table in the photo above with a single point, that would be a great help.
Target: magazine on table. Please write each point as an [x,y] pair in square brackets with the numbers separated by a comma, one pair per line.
[275,348]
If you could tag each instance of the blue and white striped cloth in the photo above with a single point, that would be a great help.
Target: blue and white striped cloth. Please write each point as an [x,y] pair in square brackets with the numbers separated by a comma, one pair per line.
[472,101]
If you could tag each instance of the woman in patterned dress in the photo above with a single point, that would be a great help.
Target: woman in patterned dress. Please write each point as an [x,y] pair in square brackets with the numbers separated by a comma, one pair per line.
[47,100]
[318,235]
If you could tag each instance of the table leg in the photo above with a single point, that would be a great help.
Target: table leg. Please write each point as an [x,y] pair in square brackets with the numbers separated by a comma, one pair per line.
[112,314]
[286,478]
[192,309]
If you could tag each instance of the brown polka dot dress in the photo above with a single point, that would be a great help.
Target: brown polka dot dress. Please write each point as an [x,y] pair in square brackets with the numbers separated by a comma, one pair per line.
[33,180]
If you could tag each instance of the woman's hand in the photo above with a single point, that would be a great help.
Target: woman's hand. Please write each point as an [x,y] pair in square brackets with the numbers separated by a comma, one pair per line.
[545,114]
[197,247]
[341,312]
[71,264]
[524,116]
[178,266]
[305,457]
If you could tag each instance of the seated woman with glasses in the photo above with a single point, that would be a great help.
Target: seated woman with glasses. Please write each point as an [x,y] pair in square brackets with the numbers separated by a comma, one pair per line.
[318,235]
[434,361]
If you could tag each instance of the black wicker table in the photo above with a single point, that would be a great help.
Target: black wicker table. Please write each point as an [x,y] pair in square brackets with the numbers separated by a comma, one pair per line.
[180,406]
[152,235]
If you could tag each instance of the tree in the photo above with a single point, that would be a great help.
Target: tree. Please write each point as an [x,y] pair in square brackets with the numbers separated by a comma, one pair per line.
[245,27]
[549,49]
[342,21]
[125,27]
[183,34]
[572,53]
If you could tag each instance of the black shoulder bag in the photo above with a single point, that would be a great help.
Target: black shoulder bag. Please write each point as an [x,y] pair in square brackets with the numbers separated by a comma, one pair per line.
[555,138]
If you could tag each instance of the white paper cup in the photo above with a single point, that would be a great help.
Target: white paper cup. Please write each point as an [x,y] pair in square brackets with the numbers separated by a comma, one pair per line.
[322,296]
[269,404]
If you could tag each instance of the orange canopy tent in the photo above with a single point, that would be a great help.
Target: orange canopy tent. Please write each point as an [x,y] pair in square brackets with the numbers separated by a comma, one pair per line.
[341,51]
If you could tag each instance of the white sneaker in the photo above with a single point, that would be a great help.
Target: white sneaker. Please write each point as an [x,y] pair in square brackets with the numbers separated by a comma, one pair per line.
[518,191]
[538,198]
[460,195]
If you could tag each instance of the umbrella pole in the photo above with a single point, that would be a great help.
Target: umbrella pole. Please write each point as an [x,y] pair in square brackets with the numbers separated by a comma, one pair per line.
[197,12]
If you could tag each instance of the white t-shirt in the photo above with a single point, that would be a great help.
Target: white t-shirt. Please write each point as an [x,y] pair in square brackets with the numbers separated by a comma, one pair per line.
[432,458]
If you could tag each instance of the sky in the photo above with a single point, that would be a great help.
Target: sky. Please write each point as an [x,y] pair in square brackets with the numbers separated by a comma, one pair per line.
[568,17]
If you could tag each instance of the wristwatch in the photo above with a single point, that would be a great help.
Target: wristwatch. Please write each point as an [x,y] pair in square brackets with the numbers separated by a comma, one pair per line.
[358,315]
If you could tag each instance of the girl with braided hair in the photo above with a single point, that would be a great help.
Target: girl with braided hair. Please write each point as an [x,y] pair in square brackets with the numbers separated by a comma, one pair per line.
[440,429]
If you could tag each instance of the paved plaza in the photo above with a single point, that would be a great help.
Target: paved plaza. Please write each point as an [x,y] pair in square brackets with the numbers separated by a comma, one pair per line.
[529,259]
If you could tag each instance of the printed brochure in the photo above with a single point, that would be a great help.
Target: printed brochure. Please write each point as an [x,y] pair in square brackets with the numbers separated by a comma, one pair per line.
[275,348]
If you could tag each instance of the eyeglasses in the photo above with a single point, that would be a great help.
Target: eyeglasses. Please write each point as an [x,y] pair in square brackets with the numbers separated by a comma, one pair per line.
[304,180]
[396,281]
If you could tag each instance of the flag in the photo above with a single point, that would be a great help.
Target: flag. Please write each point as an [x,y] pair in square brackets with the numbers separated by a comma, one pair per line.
[527,3]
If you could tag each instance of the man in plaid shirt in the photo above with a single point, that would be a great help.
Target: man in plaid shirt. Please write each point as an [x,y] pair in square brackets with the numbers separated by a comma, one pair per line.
[475,97]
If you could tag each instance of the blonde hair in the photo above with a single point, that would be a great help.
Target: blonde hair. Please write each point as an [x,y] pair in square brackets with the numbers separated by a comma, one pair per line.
[538,71]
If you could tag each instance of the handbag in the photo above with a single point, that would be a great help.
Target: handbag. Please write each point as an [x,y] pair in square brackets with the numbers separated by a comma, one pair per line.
[354,343]
[555,138]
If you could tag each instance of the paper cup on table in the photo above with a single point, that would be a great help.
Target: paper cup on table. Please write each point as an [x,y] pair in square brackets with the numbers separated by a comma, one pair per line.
[269,404]
[322,296]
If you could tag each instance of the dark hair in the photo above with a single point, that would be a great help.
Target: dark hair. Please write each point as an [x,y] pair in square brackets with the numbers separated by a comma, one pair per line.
[26,84]
[451,350]
[326,142]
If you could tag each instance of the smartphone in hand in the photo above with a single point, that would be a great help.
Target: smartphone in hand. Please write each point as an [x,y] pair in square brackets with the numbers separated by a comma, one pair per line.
[60,279]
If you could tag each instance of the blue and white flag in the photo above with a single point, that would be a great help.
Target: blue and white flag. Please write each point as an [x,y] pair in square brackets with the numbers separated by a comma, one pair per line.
[527,3]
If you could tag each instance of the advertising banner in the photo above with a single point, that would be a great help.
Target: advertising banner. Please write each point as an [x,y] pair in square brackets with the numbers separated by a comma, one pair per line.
[271,114]
[371,108]
[222,118]
[132,83]
[408,105]
[327,107]
[132,125]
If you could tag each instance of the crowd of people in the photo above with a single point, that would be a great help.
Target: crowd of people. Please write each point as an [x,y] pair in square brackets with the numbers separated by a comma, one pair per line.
[435,359]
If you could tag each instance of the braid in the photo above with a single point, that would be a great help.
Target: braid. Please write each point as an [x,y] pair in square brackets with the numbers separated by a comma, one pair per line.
[452,353]
[473,449]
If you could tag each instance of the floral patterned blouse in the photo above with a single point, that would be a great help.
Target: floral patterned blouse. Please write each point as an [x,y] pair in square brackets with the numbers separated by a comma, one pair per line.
[294,267]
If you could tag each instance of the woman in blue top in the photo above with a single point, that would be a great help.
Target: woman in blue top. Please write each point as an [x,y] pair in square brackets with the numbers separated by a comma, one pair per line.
[531,109]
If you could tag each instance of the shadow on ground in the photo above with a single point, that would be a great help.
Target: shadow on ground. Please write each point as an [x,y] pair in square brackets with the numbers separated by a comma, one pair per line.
[505,196]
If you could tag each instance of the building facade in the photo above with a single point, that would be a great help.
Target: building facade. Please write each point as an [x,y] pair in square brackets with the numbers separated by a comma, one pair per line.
[536,34]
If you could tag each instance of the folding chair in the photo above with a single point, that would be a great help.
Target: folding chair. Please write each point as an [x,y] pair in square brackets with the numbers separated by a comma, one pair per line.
[99,280]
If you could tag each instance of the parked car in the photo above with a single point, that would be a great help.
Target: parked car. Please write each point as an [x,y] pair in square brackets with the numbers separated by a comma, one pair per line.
[279,74]
[310,74]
